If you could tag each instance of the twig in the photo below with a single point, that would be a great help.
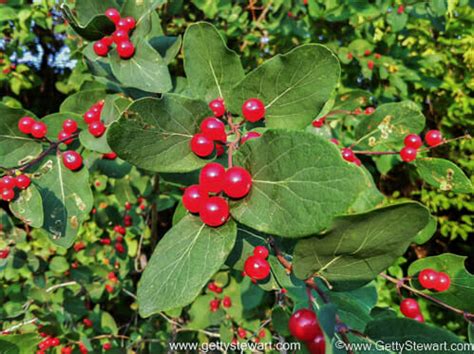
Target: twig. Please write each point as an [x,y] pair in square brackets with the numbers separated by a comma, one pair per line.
[57,286]
[287,265]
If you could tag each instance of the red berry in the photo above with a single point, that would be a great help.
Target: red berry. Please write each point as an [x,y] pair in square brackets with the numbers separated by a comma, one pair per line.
[72,160]
[119,247]
[201,145]
[25,124]
[125,49]
[261,252]
[428,278]
[107,346]
[349,56]
[253,110]
[443,282]
[22,181]
[214,129]
[128,206]
[74,265]
[78,246]
[334,141]
[4,253]
[377,56]
[227,302]
[97,129]
[214,211]
[212,177]
[7,182]
[237,182]
[413,141]
[248,136]
[217,107]
[105,241]
[130,22]
[370,64]
[212,286]
[70,126]
[220,150]
[100,48]
[110,156]
[108,40]
[64,137]
[419,318]
[369,110]
[318,123]
[91,116]
[262,333]
[214,305]
[317,345]
[433,138]
[348,155]
[357,111]
[113,15]
[242,333]
[408,154]
[120,229]
[367,52]
[120,35]
[127,220]
[66,350]
[256,268]
[303,325]
[401,9]
[7,194]
[193,198]
[39,130]
[122,25]
[87,322]
[410,308]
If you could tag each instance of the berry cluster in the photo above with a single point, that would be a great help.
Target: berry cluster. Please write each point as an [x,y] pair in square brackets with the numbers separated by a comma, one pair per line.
[433,280]
[212,135]
[216,302]
[304,326]
[92,119]
[214,179]
[120,37]
[413,142]
[119,247]
[257,266]
[49,342]
[9,183]
[28,125]
[410,308]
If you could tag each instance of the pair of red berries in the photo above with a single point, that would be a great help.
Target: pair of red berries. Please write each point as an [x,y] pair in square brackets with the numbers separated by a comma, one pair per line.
[413,142]
[29,125]
[121,36]
[212,135]
[304,326]
[49,342]
[236,183]
[410,308]
[349,156]
[69,128]
[367,111]
[215,303]
[119,247]
[8,183]
[431,279]
[212,286]
[92,119]
[257,266]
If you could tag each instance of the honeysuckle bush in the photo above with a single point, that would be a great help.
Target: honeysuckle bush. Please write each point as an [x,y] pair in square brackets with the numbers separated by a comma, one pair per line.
[88,257]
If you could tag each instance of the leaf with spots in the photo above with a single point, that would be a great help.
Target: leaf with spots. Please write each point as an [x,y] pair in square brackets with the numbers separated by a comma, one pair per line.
[443,174]
[16,148]
[300,183]
[155,134]
[358,247]
[294,87]
[182,264]
[67,198]
[28,207]
[386,128]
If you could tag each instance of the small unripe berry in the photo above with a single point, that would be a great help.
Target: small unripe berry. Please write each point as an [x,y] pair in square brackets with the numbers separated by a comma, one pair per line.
[433,138]
[194,197]
[217,107]
[408,154]
[367,52]
[401,9]
[409,308]
[201,145]
[70,126]
[107,346]
[370,65]
[413,141]
[237,182]
[214,129]
[72,160]
[369,110]
[39,130]
[22,181]
[212,177]
[78,246]
[25,124]
[253,110]
[214,212]
[125,49]
[113,15]
[248,136]
[443,282]
[428,278]
[261,252]
[97,129]
[303,325]
[256,268]
[349,56]
[378,56]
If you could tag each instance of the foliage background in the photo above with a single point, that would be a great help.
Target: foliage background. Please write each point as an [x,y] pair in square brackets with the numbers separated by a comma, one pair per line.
[427,55]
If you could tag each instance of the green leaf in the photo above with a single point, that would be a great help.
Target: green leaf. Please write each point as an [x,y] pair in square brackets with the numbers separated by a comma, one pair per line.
[294,87]
[462,282]
[386,128]
[443,174]
[19,343]
[55,123]
[300,183]
[107,323]
[58,264]
[145,70]
[28,207]
[139,9]
[182,263]
[370,197]
[404,330]
[155,134]
[16,148]
[397,21]
[212,69]
[81,101]
[351,100]
[358,247]
[67,198]
[428,232]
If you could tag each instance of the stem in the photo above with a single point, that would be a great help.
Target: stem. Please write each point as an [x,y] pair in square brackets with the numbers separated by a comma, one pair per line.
[286,264]
[468,316]
[235,129]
